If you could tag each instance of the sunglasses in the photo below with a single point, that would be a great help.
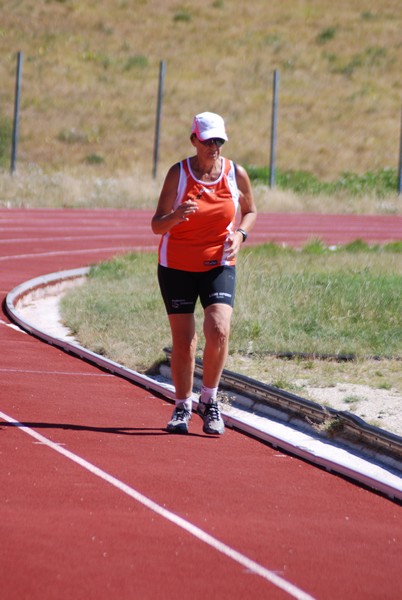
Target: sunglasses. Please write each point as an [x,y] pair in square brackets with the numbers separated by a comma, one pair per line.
[213,141]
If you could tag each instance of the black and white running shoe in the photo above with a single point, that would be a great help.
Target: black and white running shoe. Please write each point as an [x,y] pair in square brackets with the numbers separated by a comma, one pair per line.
[180,419]
[211,415]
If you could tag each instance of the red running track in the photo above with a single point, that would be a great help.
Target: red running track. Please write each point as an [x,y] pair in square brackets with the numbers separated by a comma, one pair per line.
[99,502]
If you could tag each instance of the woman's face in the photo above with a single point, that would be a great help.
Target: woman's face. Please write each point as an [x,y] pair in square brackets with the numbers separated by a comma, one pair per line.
[209,149]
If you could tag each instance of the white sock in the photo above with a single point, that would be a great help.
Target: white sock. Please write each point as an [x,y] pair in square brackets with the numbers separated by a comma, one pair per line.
[186,403]
[208,395]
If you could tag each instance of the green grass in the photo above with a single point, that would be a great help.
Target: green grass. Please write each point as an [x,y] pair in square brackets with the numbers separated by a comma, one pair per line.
[380,184]
[327,302]
[6,129]
[125,321]
[320,302]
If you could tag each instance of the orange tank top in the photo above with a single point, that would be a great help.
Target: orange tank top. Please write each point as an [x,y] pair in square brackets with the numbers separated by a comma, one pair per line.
[199,243]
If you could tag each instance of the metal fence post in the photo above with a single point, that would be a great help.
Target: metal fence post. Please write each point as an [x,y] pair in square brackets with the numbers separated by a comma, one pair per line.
[162,70]
[400,161]
[16,113]
[274,129]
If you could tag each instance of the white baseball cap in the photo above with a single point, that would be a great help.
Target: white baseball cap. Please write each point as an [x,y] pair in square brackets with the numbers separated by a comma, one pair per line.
[209,125]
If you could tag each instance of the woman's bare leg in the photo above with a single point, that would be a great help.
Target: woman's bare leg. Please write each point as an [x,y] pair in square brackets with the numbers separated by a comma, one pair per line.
[184,340]
[217,319]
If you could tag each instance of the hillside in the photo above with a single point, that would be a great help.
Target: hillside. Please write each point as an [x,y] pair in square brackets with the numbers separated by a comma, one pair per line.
[90,76]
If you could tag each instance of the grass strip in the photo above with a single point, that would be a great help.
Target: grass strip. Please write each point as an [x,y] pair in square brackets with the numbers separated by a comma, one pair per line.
[313,301]
[380,183]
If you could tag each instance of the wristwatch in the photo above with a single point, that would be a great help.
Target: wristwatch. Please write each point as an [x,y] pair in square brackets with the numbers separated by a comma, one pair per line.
[244,233]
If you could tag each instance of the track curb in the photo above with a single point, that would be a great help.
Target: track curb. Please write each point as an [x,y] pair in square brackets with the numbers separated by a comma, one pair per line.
[241,416]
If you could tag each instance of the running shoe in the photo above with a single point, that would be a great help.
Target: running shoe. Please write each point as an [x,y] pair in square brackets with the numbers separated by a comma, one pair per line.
[180,419]
[213,422]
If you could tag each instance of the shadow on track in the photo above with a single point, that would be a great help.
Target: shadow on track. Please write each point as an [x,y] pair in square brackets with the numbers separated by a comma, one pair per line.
[115,430]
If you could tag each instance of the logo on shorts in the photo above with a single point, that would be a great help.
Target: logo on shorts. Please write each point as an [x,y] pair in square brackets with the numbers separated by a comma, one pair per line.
[178,302]
[220,295]
[210,263]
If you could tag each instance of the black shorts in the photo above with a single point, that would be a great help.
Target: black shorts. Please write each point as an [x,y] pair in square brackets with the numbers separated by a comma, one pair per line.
[181,289]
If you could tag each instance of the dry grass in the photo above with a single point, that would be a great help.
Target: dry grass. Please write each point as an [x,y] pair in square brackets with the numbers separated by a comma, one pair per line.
[80,187]
[278,200]
[318,373]
[77,187]
[90,75]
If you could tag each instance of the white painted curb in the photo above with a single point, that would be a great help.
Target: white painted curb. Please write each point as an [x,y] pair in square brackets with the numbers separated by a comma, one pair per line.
[317,451]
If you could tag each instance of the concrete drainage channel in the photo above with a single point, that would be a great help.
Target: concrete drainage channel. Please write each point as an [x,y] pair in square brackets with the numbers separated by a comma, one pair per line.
[365,454]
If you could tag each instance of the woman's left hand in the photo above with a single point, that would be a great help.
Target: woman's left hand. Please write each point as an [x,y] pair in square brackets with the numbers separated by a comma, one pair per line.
[232,245]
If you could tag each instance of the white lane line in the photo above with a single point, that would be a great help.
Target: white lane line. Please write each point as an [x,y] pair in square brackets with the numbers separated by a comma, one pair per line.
[62,252]
[81,251]
[67,373]
[12,326]
[70,238]
[195,531]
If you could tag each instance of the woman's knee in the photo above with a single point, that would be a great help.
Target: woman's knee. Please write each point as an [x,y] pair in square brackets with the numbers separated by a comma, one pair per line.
[217,325]
[185,345]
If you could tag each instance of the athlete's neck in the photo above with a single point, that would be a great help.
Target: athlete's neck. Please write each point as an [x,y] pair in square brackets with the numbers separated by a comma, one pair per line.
[208,170]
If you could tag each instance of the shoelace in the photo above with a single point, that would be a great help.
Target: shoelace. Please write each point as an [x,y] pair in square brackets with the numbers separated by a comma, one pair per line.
[212,412]
[181,414]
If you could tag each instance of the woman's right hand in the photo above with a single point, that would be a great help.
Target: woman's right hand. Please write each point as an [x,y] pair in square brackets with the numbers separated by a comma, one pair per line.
[166,216]
[185,210]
